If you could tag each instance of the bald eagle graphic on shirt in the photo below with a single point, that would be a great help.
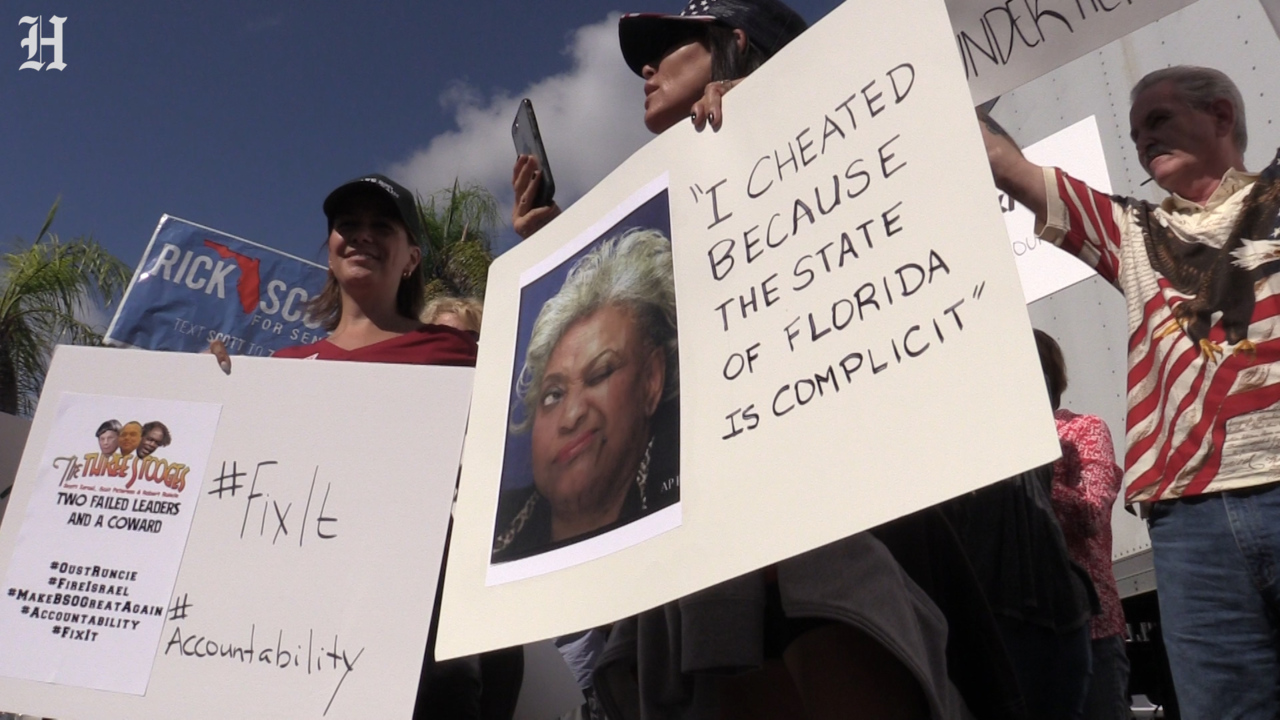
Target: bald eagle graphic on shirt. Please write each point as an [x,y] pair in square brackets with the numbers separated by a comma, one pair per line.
[1219,280]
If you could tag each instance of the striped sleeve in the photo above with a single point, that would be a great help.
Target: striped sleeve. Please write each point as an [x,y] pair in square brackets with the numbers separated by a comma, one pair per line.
[1082,221]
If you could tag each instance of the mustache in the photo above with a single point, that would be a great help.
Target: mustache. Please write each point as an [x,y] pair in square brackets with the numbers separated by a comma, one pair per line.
[1154,151]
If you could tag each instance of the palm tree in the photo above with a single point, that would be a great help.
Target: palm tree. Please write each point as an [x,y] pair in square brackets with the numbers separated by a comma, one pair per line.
[459,224]
[42,289]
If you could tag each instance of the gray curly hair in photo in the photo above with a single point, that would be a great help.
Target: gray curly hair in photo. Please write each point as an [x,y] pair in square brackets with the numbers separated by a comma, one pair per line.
[632,270]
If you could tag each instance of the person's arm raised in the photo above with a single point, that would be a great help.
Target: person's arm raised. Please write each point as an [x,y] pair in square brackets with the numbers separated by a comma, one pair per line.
[1022,179]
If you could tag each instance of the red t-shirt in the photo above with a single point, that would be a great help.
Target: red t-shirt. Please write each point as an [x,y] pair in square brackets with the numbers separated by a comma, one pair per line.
[428,345]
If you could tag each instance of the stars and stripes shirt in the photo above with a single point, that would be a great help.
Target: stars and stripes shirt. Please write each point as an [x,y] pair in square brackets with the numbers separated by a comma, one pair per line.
[1198,422]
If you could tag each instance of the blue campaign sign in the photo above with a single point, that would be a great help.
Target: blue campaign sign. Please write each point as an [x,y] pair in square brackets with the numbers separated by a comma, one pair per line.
[196,284]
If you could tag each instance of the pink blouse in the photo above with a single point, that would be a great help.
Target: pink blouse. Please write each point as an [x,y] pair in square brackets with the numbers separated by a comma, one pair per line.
[1086,481]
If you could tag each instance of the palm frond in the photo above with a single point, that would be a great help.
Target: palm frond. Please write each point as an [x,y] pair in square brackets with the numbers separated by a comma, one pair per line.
[43,289]
[459,222]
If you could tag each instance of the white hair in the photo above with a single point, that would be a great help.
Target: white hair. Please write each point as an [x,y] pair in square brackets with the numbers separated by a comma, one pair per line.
[632,270]
[1199,87]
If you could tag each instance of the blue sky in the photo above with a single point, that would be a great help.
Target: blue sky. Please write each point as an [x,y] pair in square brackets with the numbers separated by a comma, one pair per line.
[243,115]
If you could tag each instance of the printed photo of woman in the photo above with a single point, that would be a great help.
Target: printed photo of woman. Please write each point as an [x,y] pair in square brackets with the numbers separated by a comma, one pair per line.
[598,397]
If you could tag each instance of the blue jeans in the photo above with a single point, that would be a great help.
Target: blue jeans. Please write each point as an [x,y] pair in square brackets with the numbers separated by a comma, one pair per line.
[1216,573]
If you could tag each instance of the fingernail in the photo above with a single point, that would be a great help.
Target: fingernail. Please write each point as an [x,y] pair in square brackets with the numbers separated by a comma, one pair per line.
[225,365]
[711,117]
[693,116]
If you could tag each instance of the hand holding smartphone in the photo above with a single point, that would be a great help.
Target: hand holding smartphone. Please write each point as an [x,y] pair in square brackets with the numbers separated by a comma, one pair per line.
[528,141]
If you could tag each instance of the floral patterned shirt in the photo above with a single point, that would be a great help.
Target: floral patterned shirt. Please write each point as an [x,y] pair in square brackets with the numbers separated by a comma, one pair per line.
[1086,481]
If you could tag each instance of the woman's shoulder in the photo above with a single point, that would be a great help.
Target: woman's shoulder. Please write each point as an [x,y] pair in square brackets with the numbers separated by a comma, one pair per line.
[664,468]
[511,501]
[523,524]
[1076,424]
[439,345]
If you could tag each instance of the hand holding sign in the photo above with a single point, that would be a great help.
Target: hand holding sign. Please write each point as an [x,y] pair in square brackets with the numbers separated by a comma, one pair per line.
[708,108]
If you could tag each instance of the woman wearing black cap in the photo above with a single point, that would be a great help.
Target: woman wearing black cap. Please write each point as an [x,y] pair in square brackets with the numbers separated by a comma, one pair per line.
[374,293]
[370,305]
[688,62]
[837,632]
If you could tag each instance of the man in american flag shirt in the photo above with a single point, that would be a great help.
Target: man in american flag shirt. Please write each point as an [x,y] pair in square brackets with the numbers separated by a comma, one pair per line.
[1203,431]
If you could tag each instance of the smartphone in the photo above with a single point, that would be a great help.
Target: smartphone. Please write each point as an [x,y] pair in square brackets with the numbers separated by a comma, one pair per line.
[524,132]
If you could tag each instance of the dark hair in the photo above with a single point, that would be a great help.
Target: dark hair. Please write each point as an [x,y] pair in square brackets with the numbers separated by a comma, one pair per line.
[1055,368]
[165,438]
[728,61]
[326,308]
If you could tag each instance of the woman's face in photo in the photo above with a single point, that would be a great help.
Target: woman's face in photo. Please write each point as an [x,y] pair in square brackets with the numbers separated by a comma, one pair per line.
[130,437]
[673,83]
[591,425]
[108,442]
[369,246]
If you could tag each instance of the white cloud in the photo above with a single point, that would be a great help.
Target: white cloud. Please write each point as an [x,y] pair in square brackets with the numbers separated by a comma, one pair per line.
[591,119]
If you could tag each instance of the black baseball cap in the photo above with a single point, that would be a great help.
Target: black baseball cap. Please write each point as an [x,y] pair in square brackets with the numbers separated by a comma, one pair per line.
[769,25]
[399,195]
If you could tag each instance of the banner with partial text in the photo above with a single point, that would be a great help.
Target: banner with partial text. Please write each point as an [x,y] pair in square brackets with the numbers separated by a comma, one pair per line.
[195,285]
[1004,44]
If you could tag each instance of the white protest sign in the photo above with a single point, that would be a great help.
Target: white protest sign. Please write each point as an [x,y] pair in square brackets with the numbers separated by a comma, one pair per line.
[1043,267]
[1006,44]
[13,437]
[306,586]
[853,343]
[100,542]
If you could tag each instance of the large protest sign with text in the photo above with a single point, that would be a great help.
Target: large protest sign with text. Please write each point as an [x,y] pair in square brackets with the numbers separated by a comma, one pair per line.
[853,343]
[1004,44]
[195,285]
[308,577]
